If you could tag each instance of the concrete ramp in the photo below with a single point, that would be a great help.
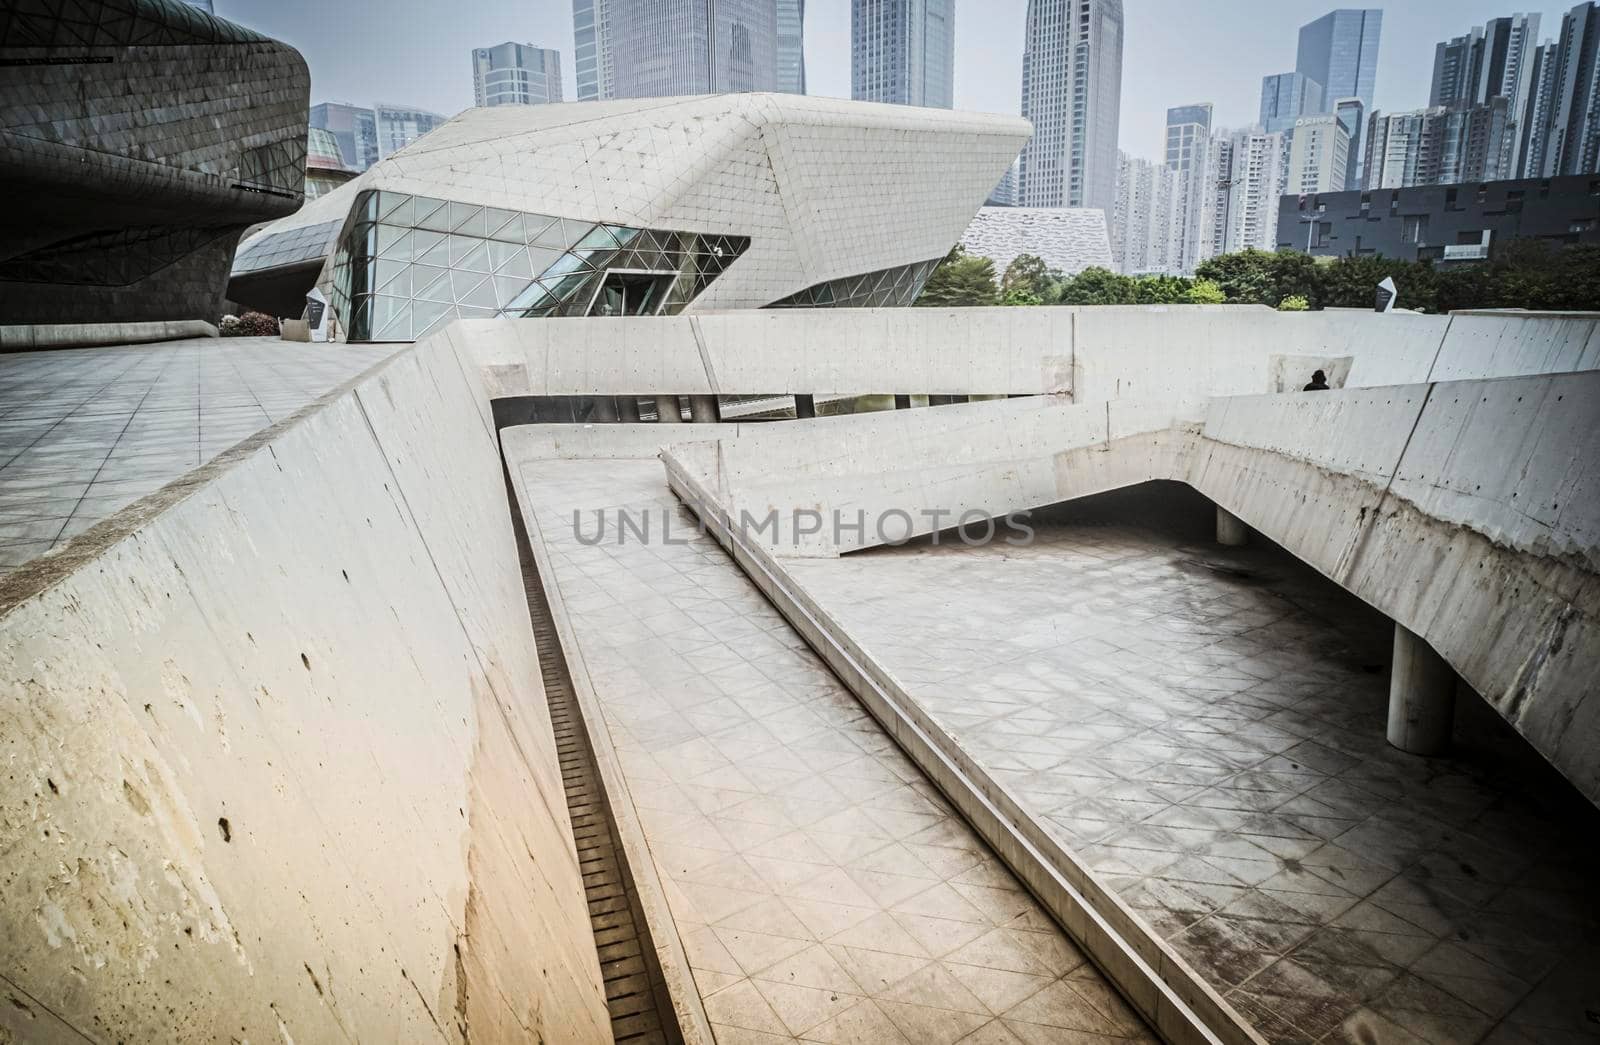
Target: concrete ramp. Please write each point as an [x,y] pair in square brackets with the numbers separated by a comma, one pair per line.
[1467,511]
[277,764]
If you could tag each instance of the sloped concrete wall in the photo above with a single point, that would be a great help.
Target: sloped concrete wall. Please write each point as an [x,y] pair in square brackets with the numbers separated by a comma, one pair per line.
[870,479]
[1467,511]
[277,763]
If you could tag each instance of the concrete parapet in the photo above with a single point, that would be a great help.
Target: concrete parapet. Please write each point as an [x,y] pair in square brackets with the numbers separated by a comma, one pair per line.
[280,765]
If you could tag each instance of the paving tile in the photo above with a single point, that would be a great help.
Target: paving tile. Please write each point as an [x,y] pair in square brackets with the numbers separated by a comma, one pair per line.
[1214,750]
[823,889]
[131,419]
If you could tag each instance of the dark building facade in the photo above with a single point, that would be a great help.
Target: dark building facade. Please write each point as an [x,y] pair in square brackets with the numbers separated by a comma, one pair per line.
[1446,224]
[138,140]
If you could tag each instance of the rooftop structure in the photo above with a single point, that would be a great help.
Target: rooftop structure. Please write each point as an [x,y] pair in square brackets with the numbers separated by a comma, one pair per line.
[536,211]
[1066,239]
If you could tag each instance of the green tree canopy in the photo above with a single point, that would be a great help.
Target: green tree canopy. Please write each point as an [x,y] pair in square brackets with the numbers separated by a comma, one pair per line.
[1027,274]
[960,280]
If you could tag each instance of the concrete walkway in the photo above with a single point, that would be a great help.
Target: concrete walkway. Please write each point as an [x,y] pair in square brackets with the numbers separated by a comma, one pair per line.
[822,889]
[1204,728]
[86,432]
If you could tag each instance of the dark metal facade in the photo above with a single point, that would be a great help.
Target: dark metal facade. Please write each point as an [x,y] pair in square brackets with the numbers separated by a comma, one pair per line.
[138,140]
[1442,223]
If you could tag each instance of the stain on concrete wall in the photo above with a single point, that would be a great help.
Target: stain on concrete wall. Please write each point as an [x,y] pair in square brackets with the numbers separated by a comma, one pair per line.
[275,765]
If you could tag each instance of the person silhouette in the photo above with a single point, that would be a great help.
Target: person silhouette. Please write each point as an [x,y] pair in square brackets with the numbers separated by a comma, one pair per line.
[1319,383]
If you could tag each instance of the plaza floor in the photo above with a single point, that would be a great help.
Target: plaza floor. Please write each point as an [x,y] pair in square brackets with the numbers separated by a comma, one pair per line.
[86,432]
[1204,727]
[822,889]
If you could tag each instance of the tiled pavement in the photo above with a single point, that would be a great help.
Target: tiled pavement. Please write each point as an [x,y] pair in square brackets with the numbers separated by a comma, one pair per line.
[1211,743]
[86,432]
[822,889]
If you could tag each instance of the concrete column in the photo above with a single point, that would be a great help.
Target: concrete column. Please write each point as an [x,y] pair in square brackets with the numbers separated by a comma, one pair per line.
[1422,696]
[704,410]
[1231,530]
[804,406]
[668,412]
[902,402]
[628,409]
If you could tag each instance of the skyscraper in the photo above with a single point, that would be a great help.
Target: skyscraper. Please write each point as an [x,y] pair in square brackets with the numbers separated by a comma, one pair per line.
[1189,159]
[662,48]
[1439,145]
[1495,60]
[516,74]
[1144,218]
[591,57]
[1571,133]
[1353,114]
[1285,97]
[1318,155]
[903,51]
[355,127]
[1340,52]
[792,46]
[1250,178]
[1072,93]
[399,126]
[1490,60]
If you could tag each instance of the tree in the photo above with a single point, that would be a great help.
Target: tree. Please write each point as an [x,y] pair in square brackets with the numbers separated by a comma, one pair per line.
[1021,297]
[1293,303]
[1245,277]
[1160,290]
[1028,275]
[1205,292]
[1097,286]
[960,280]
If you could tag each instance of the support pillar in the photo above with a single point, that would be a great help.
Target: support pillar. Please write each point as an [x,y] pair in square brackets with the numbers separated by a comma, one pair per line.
[1231,529]
[628,409]
[902,402]
[805,406]
[668,411]
[704,410]
[1422,696]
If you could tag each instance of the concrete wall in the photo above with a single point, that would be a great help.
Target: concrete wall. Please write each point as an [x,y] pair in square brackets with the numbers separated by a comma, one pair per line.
[1109,352]
[277,760]
[1465,510]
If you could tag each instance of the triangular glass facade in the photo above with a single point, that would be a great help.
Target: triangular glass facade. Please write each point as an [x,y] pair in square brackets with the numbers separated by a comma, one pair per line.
[408,265]
[886,288]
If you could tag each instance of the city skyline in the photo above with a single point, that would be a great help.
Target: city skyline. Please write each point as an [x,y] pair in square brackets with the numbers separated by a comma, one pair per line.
[1194,51]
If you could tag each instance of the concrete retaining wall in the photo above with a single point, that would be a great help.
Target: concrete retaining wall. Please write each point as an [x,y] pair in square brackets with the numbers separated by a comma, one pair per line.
[1467,511]
[277,760]
[1159,352]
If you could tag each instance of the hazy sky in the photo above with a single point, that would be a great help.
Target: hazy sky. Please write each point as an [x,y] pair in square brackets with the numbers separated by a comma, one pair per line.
[417,52]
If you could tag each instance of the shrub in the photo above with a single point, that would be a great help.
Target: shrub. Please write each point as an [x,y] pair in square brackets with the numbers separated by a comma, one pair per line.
[1294,303]
[251,324]
[1206,292]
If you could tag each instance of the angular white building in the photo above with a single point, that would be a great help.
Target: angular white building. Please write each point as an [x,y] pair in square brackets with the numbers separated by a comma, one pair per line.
[637,208]
[1068,239]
